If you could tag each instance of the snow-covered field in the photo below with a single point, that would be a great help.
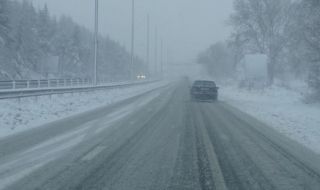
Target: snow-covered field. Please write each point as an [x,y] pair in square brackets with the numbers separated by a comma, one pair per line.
[17,116]
[281,108]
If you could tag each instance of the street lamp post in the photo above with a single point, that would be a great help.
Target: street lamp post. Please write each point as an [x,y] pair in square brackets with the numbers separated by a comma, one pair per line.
[96,28]
[148,43]
[161,58]
[156,52]
[132,43]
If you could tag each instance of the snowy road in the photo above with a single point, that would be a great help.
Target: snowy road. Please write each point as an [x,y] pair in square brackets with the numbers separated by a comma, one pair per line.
[158,140]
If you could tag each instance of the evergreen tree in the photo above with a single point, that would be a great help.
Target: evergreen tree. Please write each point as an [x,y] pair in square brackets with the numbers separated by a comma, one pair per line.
[45,30]
[4,21]
[29,38]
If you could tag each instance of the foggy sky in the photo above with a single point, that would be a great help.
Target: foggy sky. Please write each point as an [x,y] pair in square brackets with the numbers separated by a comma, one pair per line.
[186,26]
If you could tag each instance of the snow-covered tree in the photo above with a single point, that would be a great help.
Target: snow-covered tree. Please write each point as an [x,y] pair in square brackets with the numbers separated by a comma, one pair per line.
[4,21]
[25,35]
[261,24]
[310,33]
[31,37]
[45,29]
[218,60]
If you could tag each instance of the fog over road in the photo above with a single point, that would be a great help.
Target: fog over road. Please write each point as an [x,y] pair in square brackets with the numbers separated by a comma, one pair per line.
[158,140]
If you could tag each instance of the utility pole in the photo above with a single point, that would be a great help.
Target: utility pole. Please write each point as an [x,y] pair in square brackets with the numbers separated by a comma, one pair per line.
[168,57]
[132,43]
[96,28]
[148,43]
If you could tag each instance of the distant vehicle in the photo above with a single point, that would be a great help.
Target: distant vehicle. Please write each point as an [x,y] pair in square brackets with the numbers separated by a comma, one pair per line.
[141,77]
[204,90]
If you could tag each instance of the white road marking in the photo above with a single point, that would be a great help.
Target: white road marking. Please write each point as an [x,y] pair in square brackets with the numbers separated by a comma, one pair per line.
[20,165]
[5,182]
[91,155]
[125,111]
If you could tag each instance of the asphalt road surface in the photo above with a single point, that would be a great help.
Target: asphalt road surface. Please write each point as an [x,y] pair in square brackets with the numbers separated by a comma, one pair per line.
[158,140]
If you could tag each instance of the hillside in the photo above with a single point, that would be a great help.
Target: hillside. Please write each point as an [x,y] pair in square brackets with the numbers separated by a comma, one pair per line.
[33,44]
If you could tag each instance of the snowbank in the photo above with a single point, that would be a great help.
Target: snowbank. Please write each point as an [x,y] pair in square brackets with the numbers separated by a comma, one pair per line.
[17,116]
[280,108]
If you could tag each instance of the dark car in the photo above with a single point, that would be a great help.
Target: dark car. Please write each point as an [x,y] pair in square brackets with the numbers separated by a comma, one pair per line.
[204,90]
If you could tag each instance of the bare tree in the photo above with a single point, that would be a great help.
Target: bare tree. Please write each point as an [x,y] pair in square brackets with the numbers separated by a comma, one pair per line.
[309,29]
[262,24]
[236,45]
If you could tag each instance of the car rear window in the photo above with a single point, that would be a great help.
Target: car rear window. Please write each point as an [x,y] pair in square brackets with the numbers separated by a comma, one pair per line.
[205,83]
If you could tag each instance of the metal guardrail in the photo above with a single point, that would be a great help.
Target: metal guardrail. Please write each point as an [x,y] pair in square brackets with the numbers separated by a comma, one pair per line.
[33,88]
[27,84]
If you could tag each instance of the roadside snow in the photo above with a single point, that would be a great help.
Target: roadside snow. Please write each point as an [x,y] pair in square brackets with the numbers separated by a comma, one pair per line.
[17,116]
[282,109]
[15,167]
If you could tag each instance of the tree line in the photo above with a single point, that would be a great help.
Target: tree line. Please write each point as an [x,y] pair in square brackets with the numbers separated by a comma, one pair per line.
[31,40]
[287,31]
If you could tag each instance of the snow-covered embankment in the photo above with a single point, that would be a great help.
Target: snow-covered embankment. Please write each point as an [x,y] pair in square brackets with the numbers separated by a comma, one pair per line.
[27,113]
[282,109]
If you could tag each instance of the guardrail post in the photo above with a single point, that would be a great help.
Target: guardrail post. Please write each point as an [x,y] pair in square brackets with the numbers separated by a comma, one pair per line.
[64,82]
[28,84]
[14,84]
[48,83]
[39,83]
[57,81]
